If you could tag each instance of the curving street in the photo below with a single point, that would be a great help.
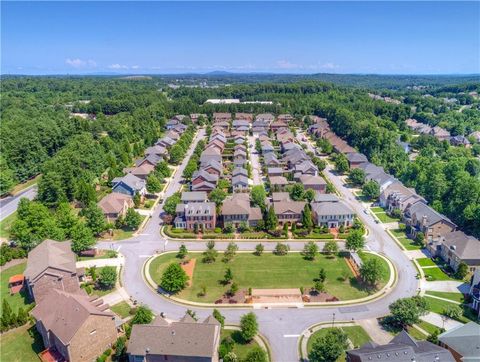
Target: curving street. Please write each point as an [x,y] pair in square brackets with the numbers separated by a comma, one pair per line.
[281,326]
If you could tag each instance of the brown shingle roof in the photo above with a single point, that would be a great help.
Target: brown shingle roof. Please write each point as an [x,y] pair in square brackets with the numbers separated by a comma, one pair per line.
[113,202]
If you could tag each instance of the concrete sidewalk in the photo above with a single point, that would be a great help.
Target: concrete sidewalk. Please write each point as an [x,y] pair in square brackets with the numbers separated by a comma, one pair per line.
[440,321]
[375,330]
[120,260]
[450,286]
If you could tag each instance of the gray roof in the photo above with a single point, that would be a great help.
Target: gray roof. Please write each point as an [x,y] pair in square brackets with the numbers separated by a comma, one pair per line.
[325,197]
[203,185]
[403,348]
[205,175]
[464,246]
[182,339]
[194,196]
[199,208]
[239,171]
[356,157]
[131,181]
[280,196]
[332,208]
[278,180]
[282,207]
[239,179]
[275,170]
[238,204]
[50,254]
[464,339]
[312,180]
[419,209]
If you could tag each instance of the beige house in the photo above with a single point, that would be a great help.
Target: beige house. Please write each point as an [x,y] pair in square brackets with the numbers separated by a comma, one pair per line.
[115,205]
[51,265]
[74,326]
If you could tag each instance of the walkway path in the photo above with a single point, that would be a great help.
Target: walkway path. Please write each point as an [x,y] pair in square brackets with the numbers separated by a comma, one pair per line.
[440,321]
[375,331]
[256,167]
[450,286]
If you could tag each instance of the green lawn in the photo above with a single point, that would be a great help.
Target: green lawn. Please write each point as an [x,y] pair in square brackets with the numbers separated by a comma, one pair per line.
[357,335]
[415,333]
[385,218]
[399,233]
[409,244]
[21,345]
[438,306]
[122,309]
[432,274]
[17,300]
[456,297]
[6,224]
[428,327]
[267,271]
[101,255]
[240,348]
[425,262]
[377,209]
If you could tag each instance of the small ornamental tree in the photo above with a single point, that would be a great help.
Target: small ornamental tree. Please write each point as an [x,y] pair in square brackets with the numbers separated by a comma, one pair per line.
[322,275]
[95,219]
[357,176]
[307,219]
[259,248]
[174,278]
[153,184]
[407,311]
[341,163]
[82,237]
[248,326]
[371,190]
[462,271]
[271,220]
[132,219]
[281,249]
[107,277]
[228,276]
[329,347]
[182,252]
[256,354]
[371,272]
[210,255]
[230,251]
[171,202]
[310,250]
[453,311]
[355,241]
[143,315]
[219,317]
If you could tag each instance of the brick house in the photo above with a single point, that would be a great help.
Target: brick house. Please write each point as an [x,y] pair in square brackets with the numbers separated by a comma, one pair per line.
[457,247]
[51,265]
[288,211]
[355,159]
[74,325]
[316,183]
[236,209]
[422,218]
[200,213]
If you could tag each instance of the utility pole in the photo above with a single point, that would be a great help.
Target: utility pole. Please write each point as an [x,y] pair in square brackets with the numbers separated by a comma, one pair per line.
[333,320]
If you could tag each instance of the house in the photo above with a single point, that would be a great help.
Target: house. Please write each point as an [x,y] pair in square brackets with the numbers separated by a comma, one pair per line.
[456,247]
[185,340]
[474,292]
[259,131]
[270,160]
[174,135]
[265,117]
[239,171]
[401,348]
[305,167]
[475,135]
[129,185]
[158,151]
[460,141]
[203,186]
[189,196]
[241,123]
[216,143]
[141,172]
[267,148]
[333,214]
[280,196]
[150,159]
[115,205]
[204,176]
[245,116]
[239,140]
[213,167]
[397,196]
[171,123]
[239,154]
[76,326]
[218,116]
[285,117]
[180,128]
[422,218]
[325,197]
[240,147]
[219,137]
[221,124]
[288,211]
[377,174]
[166,142]
[355,159]
[316,183]
[240,183]
[275,171]
[210,154]
[195,117]
[462,341]
[236,209]
[202,214]
[278,124]
[278,182]
[51,265]
[440,133]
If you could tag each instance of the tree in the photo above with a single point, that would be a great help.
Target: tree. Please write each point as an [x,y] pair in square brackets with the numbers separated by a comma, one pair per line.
[120,348]
[132,219]
[319,286]
[230,251]
[297,192]
[228,276]
[8,318]
[357,176]
[107,277]
[281,249]
[309,195]
[371,190]
[219,317]
[258,196]
[462,271]
[256,354]
[230,357]
[153,184]
[163,169]
[355,241]
[82,237]
[453,311]
[143,315]
[341,163]
[65,217]
[271,220]
[95,219]
[190,168]
[210,254]
[330,247]
[174,278]
[329,347]
[50,189]
[420,238]
[307,218]
[182,252]
[176,154]
[322,275]
[248,326]
[259,249]
[217,196]
[171,203]
[371,271]
[233,289]
[22,317]
[407,311]
[310,250]
[137,200]
[7,177]
[85,193]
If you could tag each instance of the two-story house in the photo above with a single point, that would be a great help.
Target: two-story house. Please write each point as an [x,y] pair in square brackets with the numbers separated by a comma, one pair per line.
[332,214]
[202,214]
[236,209]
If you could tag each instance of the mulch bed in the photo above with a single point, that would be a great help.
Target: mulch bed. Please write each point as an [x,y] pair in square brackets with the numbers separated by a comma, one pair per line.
[239,297]
[321,297]
[188,267]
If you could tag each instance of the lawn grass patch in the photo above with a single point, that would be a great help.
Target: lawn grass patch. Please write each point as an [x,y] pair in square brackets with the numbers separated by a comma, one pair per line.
[21,345]
[456,297]
[376,209]
[415,333]
[410,244]
[385,218]
[438,306]
[428,327]
[432,274]
[356,334]
[122,309]
[101,255]
[6,224]
[240,348]
[268,271]
[19,299]
[425,262]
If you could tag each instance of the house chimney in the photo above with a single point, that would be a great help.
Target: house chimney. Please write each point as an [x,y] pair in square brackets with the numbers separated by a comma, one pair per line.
[424,220]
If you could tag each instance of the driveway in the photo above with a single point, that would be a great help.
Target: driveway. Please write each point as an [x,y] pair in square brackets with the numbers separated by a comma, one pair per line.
[281,326]
[255,159]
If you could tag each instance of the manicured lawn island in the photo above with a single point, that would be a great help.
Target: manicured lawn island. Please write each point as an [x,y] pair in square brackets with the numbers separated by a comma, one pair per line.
[356,334]
[268,271]
[385,218]
[240,347]
[16,300]
[402,237]
[101,255]
[21,345]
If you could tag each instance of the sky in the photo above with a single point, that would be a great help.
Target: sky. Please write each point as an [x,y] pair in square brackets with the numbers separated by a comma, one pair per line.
[283,37]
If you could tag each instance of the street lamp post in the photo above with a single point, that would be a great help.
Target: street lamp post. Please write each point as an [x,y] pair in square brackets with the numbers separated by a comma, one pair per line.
[333,320]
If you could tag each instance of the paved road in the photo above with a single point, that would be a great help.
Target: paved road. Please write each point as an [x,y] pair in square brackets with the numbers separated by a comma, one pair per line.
[282,326]
[9,204]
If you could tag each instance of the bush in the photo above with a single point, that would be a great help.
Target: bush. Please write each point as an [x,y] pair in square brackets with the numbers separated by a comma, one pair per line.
[248,326]
[217,230]
[174,278]
[281,249]
[107,277]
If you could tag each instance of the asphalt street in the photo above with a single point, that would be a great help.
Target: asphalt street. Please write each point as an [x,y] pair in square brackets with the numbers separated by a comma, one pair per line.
[8,205]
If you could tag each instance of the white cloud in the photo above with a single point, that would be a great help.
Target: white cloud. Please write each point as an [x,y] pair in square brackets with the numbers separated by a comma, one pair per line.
[117,66]
[135,67]
[285,64]
[80,63]
[330,66]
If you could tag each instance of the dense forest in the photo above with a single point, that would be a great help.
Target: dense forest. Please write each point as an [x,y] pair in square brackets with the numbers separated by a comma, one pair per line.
[39,134]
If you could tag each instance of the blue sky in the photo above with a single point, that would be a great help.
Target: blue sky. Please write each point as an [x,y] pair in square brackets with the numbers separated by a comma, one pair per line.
[283,37]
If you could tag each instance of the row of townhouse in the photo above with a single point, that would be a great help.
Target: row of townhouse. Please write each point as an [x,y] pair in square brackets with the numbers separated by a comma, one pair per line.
[77,327]
[438,132]
[441,234]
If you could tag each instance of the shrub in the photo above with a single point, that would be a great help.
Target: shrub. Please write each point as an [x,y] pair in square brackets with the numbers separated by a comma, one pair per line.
[281,249]
[174,278]
[248,326]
